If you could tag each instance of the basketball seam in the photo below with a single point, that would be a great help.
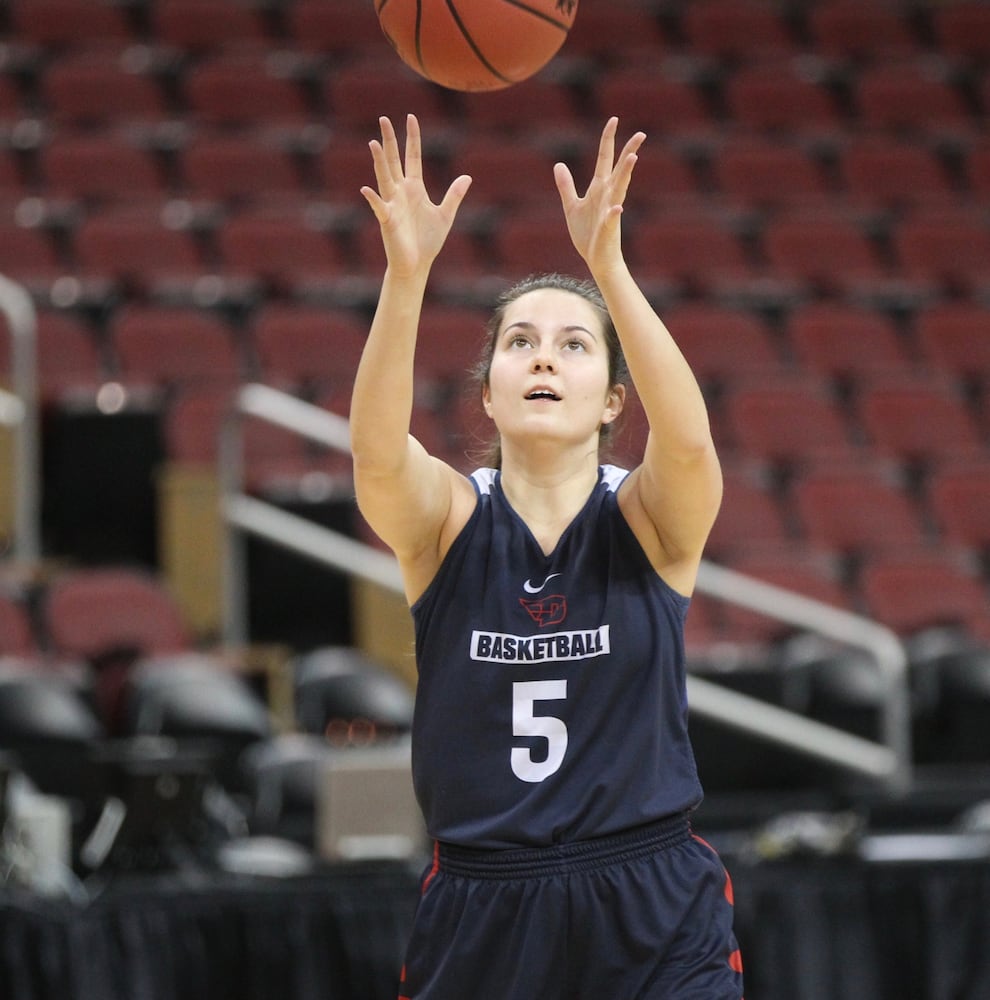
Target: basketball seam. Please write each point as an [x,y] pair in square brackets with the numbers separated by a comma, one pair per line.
[474,48]
[542,15]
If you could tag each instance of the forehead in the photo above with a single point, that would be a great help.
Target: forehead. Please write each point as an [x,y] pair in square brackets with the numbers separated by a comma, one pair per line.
[553,307]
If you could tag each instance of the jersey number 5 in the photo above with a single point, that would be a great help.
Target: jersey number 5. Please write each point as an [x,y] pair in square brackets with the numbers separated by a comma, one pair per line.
[525,722]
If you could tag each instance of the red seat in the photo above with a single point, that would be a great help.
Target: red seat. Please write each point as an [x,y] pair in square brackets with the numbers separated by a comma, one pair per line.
[91,613]
[910,592]
[889,174]
[825,253]
[532,241]
[723,344]
[955,337]
[787,422]
[192,424]
[233,168]
[243,90]
[645,99]
[751,515]
[505,173]
[793,568]
[450,343]
[948,250]
[89,89]
[136,248]
[299,345]
[756,172]
[16,630]
[550,102]
[852,510]
[962,30]
[736,30]
[854,31]
[690,252]
[358,93]
[282,250]
[96,166]
[67,355]
[343,28]
[202,25]
[976,167]
[29,256]
[774,97]
[845,341]
[609,33]
[59,24]
[165,346]
[918,420]
[909,98]
[959,497]
[342,167]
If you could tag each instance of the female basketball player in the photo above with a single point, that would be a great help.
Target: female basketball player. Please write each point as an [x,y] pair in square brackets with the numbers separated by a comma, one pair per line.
[550,748]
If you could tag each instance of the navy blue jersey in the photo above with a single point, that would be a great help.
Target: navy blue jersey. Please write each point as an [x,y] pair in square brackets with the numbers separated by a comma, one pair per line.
[551,703]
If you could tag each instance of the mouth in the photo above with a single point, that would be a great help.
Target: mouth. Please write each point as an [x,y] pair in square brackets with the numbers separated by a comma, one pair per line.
[543,394]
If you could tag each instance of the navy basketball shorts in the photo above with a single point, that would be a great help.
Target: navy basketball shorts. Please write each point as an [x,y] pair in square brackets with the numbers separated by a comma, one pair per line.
[641,915]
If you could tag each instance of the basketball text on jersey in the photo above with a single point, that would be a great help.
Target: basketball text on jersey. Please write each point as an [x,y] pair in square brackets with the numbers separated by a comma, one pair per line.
[500,647]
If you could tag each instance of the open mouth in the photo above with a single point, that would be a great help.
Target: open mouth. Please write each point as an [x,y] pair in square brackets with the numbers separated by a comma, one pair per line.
[543,394]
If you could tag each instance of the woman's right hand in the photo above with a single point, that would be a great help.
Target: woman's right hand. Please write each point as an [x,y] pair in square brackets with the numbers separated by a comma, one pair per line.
[413,228]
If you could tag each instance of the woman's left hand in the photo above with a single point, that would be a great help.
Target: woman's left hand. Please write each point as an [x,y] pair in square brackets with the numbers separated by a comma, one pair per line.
[593,220]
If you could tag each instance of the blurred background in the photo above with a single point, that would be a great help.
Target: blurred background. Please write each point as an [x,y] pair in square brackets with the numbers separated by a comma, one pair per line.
[180,219]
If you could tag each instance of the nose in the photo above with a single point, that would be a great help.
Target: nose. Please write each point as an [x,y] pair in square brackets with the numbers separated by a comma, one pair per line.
[542,362]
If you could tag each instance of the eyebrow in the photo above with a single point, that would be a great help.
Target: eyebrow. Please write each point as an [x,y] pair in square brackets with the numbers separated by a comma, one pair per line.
[526,325]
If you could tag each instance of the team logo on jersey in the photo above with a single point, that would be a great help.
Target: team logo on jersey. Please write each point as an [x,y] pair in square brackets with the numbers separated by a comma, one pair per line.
[500,647]
[550,610]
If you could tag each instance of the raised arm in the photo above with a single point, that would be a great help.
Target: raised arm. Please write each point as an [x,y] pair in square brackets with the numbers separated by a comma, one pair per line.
[672,499]
[404,493]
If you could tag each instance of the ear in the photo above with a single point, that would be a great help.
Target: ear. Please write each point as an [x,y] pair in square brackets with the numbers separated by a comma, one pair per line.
[614,403]
[486,399]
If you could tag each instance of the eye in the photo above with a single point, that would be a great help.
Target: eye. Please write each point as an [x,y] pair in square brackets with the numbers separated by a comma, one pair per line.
[519,341]
[575,345]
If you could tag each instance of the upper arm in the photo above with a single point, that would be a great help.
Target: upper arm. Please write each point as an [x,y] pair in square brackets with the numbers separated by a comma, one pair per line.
[416,509]
[671,504]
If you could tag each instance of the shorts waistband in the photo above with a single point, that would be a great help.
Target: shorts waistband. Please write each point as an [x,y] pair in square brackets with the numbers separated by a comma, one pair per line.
[559,859]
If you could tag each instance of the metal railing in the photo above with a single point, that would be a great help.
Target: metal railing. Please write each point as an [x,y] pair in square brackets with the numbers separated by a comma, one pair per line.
[887,760]
[19,410]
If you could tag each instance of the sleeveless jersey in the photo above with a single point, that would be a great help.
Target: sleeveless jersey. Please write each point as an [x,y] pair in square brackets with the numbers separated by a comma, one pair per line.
[551,702]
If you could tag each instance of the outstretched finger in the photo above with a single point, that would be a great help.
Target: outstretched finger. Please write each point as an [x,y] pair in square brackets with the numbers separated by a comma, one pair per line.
[390,145]
[622,174]
[565,184]
[414,148]
[606,149]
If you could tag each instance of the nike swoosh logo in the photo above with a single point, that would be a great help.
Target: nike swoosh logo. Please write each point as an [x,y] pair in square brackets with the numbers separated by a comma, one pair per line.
[530,589]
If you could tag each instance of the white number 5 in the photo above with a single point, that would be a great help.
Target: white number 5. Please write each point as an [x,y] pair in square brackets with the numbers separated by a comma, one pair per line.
[525,722]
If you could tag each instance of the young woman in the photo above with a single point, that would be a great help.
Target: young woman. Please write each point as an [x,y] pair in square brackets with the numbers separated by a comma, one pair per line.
[550,747]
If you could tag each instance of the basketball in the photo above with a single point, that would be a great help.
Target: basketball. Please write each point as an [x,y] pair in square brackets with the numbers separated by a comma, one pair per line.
[476,45]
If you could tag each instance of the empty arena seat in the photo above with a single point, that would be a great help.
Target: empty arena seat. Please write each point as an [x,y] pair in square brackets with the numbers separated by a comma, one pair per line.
[757,172]
[887,174]
[300,345]
[910,98]
[344,28]
[87,88]
[787,422]
[89,613]
[751,515]
[949,250]
[62,24]
[549,101]
[775,97]
[659,105]
[236,168]
[198,26]
[736,30]
[854,509]
[959,499]
[919,419]
[962,30]
[167,346]
[912,591]
[505,173]
[17,638]
[856,32]
[845,341]
[98,166]
[954,337]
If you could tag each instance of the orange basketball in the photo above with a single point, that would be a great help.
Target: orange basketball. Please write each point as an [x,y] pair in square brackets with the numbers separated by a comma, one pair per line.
[476,44]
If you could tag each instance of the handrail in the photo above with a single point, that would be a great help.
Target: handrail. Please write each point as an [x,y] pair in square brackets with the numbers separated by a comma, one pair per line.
[19,410]
[887,760]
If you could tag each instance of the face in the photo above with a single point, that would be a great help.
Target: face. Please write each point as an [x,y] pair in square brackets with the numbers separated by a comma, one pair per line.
[549,371]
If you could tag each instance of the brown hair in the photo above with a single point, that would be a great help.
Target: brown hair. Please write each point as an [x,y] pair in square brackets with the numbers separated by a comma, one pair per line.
[618,373]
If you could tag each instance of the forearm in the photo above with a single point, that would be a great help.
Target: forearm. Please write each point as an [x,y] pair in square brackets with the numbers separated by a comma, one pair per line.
[671,397]
[382,397]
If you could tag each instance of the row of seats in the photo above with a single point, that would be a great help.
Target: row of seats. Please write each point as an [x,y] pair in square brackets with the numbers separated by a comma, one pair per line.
[141,251]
